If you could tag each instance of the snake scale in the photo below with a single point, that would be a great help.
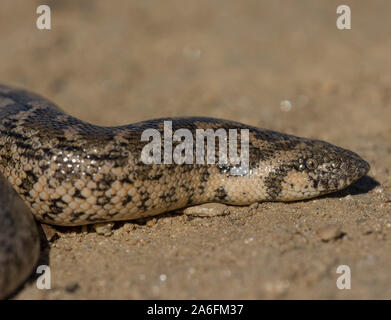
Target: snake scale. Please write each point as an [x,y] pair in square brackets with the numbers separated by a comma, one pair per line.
[64,171]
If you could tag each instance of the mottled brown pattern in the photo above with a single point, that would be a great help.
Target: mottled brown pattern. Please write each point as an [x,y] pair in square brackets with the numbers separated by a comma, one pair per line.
[70,172]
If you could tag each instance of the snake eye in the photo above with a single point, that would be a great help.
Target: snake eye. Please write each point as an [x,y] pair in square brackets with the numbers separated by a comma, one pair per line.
[311,164]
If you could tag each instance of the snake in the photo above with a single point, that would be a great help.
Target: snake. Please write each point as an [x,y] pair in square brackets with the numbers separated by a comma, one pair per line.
[59,170]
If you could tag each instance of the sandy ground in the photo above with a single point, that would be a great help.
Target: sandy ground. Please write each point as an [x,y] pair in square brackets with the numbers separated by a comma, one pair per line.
[116,62]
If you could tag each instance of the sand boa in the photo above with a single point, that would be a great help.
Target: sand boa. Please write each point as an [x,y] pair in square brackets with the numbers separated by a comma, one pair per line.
[70,172]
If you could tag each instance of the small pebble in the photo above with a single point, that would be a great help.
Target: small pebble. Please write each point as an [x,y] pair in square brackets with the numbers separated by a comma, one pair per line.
[50,232]
[151,222]
[65,247]
[72,287]
[104,229]
[129,226]
[330,232]
[207,210]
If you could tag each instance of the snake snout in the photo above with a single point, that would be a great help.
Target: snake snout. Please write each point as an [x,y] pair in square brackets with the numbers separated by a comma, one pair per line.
[353,167]
[361,167]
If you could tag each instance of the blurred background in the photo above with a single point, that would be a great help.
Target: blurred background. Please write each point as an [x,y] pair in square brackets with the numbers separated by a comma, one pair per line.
[277,64]
[124,61]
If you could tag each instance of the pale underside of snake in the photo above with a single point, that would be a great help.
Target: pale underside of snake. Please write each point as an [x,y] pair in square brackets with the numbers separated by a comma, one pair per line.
[64,171]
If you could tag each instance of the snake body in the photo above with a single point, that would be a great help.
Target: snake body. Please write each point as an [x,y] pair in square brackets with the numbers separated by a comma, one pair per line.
[68,172]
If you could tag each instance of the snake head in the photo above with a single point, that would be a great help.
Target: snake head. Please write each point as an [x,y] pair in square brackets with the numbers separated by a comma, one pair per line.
[309,168]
